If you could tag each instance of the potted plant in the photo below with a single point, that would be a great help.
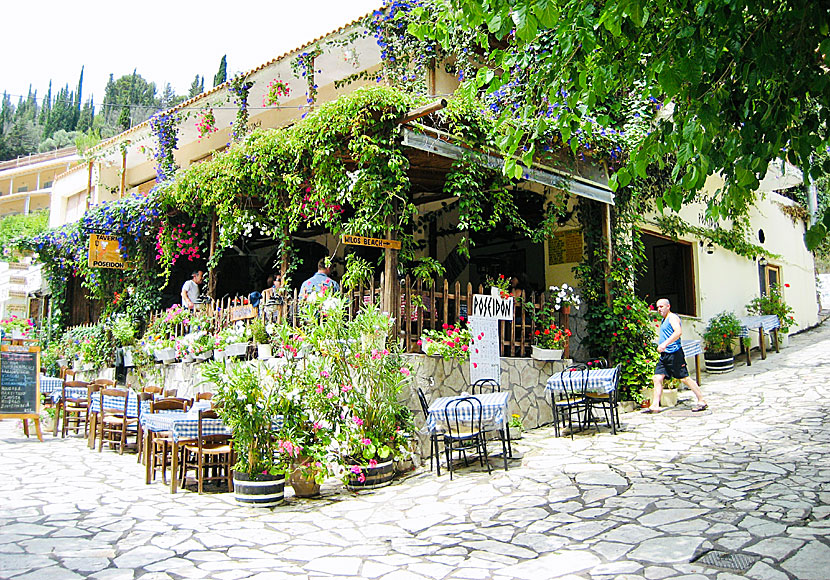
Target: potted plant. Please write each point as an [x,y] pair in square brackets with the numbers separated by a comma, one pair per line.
[499,286]
[233,340]
[549,340]
[514,426]
[451,342]
[773,303]
[259,334]
[718,339]
[248,400]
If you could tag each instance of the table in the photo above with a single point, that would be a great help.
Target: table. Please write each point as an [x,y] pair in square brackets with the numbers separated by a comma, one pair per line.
[600,381]
[48,385]
[493,408]
[766,323]
[693,348]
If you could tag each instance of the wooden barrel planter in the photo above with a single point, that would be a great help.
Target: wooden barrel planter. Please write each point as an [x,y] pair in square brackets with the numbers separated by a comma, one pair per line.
[718,364]
[259,490]
[373,477]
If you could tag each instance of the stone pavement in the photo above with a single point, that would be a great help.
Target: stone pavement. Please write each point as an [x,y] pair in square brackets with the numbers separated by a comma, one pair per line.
[739,491]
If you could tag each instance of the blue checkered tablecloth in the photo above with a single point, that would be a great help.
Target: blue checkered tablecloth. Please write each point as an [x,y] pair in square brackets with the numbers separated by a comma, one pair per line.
[72,393]
[493,408]
[115,403]
[599,381]
[184,426]
[49,385]
[750,323]
[692,347]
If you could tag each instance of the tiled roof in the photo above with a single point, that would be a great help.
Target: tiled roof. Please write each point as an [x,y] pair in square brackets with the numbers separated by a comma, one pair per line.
[187,103]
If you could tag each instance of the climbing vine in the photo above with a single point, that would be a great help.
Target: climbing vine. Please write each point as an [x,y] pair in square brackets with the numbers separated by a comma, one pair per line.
[239,88]
[164,126]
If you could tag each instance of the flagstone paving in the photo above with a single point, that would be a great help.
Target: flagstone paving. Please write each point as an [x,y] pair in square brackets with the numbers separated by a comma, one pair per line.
[749,478]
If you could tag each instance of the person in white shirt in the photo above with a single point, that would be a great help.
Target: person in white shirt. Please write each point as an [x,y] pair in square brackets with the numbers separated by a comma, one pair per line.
[190,289]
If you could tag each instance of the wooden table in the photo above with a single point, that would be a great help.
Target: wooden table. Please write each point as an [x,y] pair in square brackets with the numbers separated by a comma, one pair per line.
[767,323]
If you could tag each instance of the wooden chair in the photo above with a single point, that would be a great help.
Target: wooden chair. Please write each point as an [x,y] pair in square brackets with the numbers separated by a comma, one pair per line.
[212,452]
[142,399]
[152,389]
[106,383]
[170,392]
[204,396]
[75,409]
[159,454]
[115,423]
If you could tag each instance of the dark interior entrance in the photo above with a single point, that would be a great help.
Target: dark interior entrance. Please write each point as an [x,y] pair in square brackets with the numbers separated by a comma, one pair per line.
[669,274]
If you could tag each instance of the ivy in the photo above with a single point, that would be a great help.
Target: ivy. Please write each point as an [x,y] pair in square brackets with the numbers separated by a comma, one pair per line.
[733,239]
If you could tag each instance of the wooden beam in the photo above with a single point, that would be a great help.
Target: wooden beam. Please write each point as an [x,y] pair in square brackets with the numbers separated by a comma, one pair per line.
[423,111]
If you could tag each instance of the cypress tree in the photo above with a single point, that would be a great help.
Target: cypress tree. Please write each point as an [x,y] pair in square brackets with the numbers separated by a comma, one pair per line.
[222,74]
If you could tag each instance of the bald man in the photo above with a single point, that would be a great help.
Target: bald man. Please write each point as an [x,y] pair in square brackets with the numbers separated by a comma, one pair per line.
[672,361]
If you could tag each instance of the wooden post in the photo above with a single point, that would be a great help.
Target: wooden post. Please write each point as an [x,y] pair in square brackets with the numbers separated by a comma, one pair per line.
[123,171]
[566,313]
[609,255]
[391,292]
[211,277]
[89,186]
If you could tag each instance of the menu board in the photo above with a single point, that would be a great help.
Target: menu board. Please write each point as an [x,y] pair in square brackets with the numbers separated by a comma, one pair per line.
[19,381]
[565,247]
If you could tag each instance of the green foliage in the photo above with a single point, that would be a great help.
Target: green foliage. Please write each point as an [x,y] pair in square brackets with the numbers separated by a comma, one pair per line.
[773,303]
[17,226]
[358,271]
[721,332]
[450,343]
[222,74]
[123,330]
[733,239]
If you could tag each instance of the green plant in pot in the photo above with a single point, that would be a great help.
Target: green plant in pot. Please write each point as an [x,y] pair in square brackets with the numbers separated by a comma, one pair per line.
[719,339]
[249,400]
[773,303]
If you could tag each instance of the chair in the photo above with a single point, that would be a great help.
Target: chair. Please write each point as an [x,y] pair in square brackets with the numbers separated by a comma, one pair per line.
[143,398]
[485,386]
[572,398]
[608,402]
[204,396]
[170,392]
[152,389]
[464,431]
[212,452]
[104,382]
[162,445]
[434,433]
[115,422]
[75,409]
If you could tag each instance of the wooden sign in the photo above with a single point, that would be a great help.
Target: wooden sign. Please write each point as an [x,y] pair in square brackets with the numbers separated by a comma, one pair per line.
[565,247]
[20,385]
[243,312]
[495,307]
[372,242]
[105,252]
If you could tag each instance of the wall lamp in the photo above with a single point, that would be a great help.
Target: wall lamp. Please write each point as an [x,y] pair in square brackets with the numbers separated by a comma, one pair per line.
[762,261]
[710,248]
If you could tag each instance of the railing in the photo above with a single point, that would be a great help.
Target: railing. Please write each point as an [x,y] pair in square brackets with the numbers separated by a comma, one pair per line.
[422,307]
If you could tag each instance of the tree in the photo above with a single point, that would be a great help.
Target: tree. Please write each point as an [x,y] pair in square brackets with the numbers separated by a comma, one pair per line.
[222,74]
[197,87]
[740,84]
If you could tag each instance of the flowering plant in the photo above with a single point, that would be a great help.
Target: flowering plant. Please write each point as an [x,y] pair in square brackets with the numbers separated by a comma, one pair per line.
[563,296]
[180,243]
[515,421]
[502,283]
[552,337]
[14,324]
[451,342]
[773,303]
[232,335]
[720,333]
[276,88]
[206,122]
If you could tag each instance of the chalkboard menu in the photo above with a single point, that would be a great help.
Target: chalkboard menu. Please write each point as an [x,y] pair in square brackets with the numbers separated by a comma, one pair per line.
[19,386]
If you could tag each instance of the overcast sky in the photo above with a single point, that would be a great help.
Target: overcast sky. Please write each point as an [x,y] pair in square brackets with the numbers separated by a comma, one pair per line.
[166,41]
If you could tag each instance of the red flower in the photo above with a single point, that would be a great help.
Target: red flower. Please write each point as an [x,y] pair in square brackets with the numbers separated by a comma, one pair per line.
[786,285]
[537,333]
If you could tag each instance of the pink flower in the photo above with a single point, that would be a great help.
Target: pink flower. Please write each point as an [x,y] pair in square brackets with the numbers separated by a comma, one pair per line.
[362,478]
[373,463]
[464,347]
[316,426]
[329,395]
[358,421]
[355,469]
[324,374]
[405,371]
[366,441]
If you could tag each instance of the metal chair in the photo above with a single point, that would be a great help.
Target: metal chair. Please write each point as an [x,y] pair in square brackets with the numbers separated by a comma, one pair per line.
[434,434]
[608,402]
[482,386]
[572,398]
[464,431]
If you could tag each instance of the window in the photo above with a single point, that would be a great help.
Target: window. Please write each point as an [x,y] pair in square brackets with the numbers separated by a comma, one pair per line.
[770,276]
[47,185]
[23,189]
[669,273]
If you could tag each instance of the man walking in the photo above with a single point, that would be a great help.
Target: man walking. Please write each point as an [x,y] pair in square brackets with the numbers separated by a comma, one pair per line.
[672,361]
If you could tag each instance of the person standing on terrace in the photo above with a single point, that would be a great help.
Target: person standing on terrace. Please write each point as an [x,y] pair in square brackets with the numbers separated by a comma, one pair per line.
[320,281]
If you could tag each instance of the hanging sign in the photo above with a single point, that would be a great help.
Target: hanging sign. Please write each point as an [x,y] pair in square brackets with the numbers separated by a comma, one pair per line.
[371,242]
[105,252]
[243,312]
[485,359]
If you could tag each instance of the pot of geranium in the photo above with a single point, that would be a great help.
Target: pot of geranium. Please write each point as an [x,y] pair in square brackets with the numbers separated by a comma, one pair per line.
[718,338]
[450,343]
[550,342]
[773,303]
[233,340]
[248,400]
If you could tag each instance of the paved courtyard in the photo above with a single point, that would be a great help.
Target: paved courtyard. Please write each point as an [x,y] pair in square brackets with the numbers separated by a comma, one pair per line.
[739,491]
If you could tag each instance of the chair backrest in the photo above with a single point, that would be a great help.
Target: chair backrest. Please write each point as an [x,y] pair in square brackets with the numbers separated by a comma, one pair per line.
[168,405]
[422,398]
[74,385]
[617,373]
[575,379]
[204,396]
[68,374]
[170,392]
[482,386]
[116,408]
[104,382]
[202,438]
[462,416]
[151,389]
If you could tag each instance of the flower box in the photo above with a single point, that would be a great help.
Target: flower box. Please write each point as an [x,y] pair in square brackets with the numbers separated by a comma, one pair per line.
[546,353]
[263,351]
[165,354]
[218,354]
[236,349]
[203,356]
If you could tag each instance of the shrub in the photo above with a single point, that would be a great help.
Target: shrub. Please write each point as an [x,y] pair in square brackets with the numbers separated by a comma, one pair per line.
[721,332]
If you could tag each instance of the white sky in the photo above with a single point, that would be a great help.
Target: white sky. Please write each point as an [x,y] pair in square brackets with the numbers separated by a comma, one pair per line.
[166,41]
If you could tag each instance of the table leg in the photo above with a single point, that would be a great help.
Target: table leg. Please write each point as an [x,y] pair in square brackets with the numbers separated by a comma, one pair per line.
[748,349]
[761,343]
[57,418]
[775,336]
[697,368]
[174,476]
[148,464]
